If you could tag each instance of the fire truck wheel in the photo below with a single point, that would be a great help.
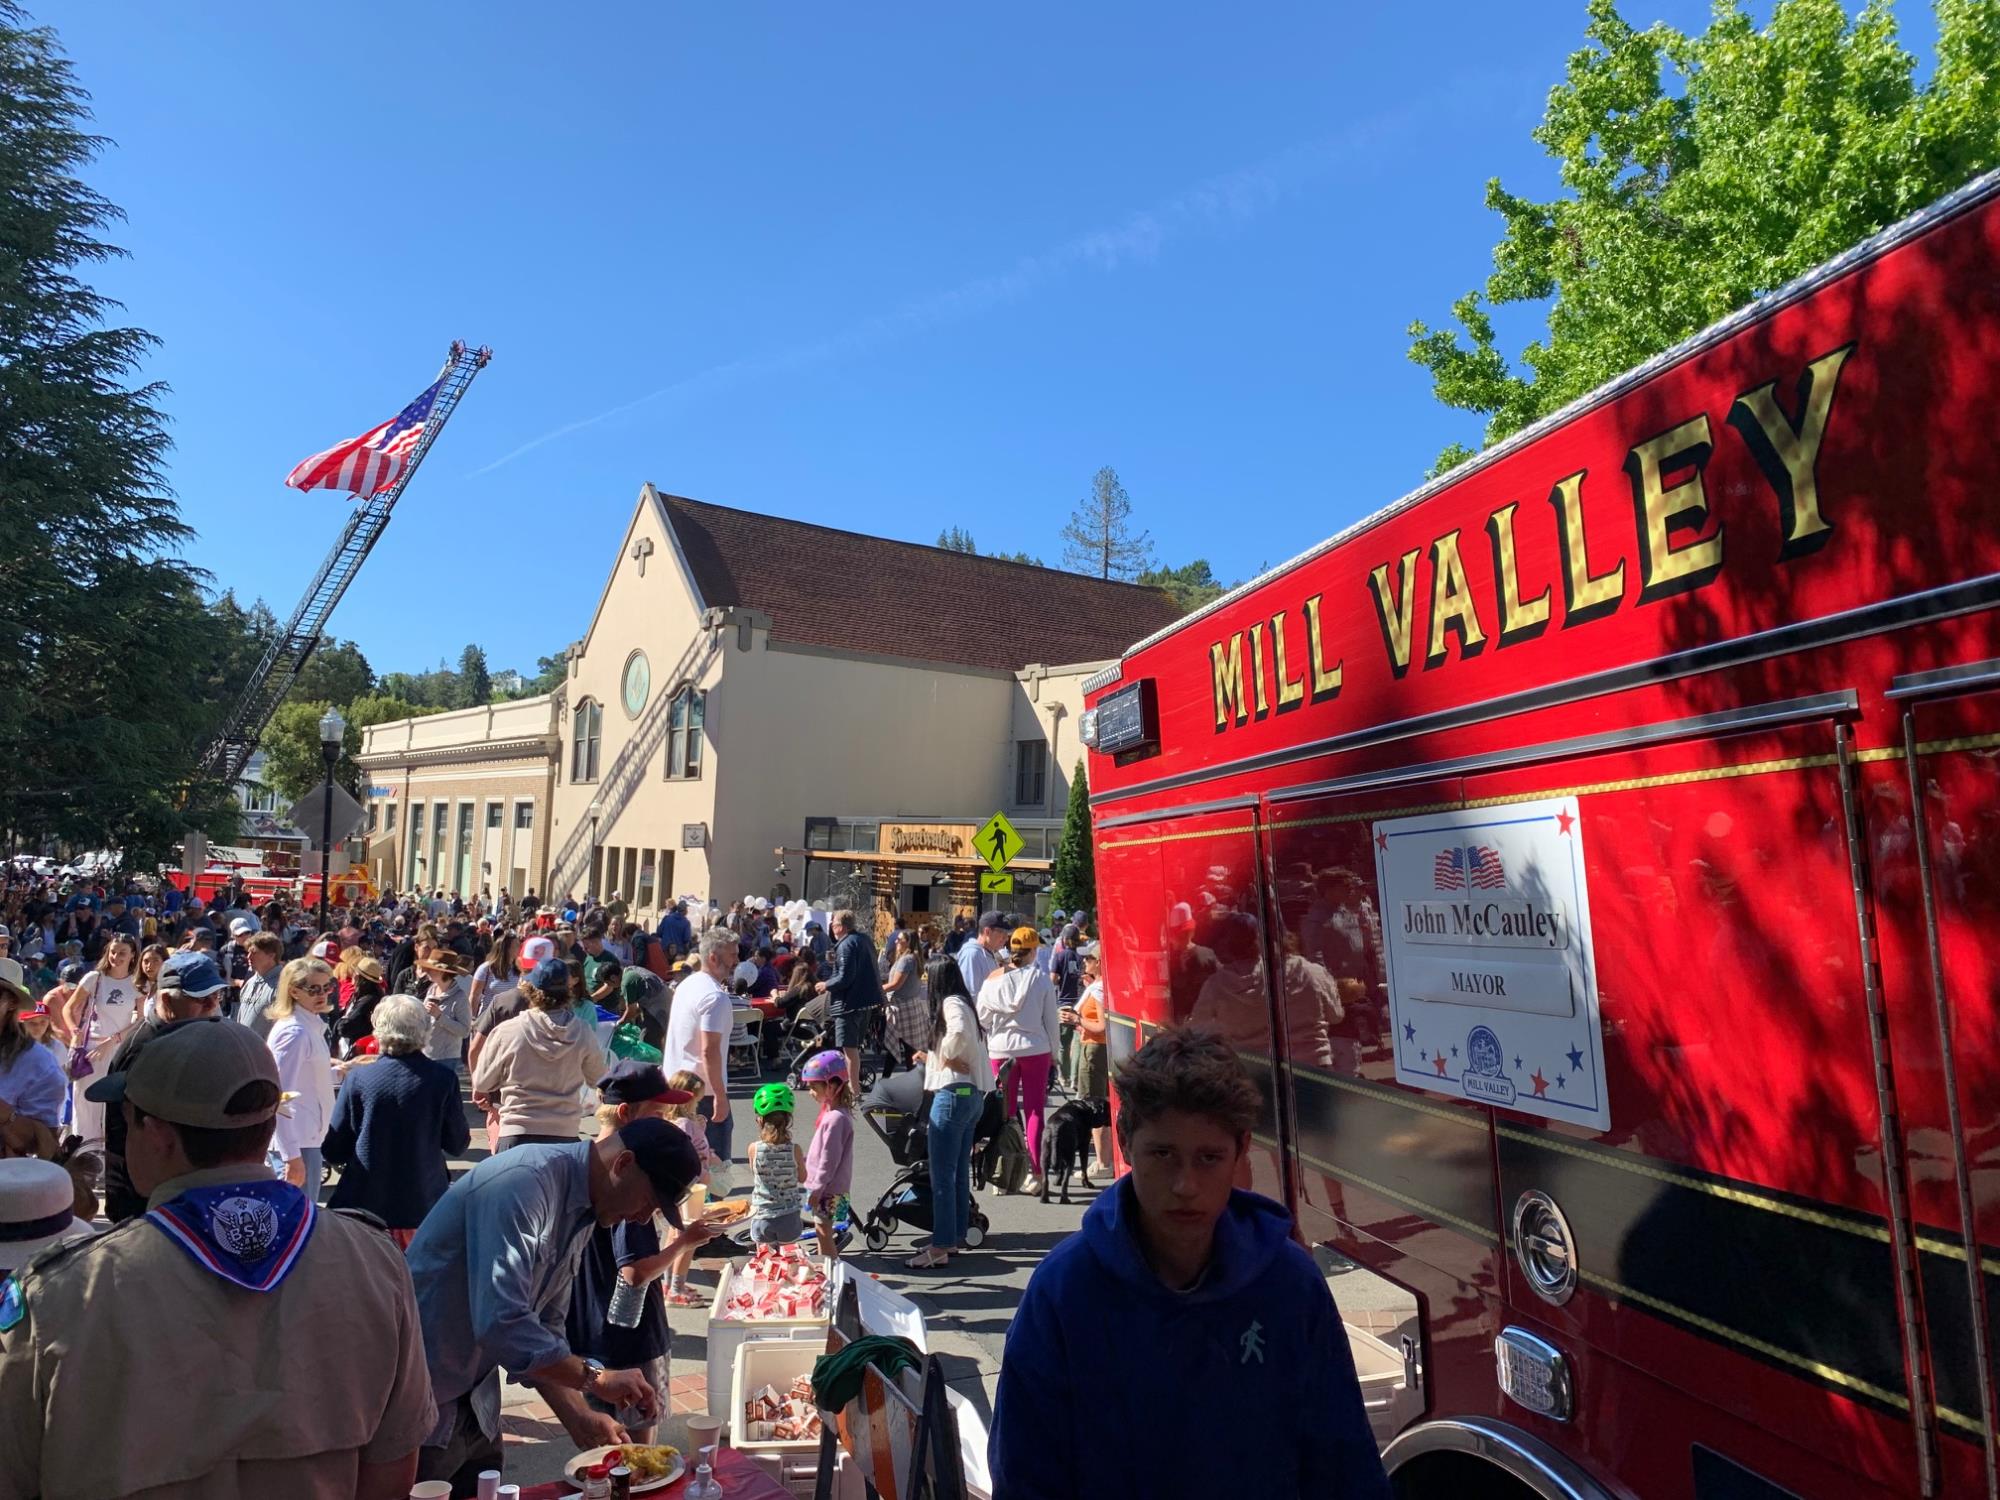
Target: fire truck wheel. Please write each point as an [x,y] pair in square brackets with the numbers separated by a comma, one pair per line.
[1452,1476]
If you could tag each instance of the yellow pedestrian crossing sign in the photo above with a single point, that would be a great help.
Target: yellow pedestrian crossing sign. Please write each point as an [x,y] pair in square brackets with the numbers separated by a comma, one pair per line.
[998,842]
[992,884]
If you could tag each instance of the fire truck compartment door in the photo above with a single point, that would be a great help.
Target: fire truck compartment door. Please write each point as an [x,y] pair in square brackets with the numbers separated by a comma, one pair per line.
[1937,899]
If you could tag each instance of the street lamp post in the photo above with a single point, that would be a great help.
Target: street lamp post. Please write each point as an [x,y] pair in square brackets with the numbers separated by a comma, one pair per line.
[332,727]
[596,812]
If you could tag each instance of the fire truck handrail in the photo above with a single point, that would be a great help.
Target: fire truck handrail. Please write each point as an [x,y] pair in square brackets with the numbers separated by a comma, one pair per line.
[1518,1454]
[1774,715]
[1967,677]
[1778,715]
[1922,221]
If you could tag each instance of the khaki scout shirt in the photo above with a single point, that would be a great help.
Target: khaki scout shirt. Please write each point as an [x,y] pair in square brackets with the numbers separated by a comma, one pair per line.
[132,1372]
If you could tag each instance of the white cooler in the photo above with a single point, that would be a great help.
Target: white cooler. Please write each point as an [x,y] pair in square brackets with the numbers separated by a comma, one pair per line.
[727,1335]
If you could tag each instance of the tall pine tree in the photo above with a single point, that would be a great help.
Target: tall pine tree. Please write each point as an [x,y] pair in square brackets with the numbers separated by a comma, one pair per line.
[475,683]
[1073,875]
[1099,538]
[112,663]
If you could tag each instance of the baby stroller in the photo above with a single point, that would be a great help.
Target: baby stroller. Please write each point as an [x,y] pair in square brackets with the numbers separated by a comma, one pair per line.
[898,1110]
[812,1031]
[805,1034]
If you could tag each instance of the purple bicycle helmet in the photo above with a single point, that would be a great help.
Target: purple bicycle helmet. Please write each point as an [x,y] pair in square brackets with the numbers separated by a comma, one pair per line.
[824,1065]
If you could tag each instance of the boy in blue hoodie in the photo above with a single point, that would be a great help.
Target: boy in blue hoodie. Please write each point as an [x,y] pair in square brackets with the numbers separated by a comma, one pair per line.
[1182,1343]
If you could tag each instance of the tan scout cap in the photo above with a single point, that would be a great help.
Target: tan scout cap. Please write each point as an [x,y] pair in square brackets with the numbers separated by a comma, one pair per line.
[189,1072]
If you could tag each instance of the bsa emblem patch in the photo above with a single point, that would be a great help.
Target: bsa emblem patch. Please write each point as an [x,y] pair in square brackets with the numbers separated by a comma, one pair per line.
[245,1227]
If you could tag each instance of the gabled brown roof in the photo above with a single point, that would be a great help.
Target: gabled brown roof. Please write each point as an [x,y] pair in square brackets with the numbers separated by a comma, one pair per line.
[823,586]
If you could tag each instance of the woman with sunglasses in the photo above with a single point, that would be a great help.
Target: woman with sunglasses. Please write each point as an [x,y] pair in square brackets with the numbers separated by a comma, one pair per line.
[305,1068]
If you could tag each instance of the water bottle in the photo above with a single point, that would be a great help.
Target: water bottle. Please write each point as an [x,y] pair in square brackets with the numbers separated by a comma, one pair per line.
[628,1302]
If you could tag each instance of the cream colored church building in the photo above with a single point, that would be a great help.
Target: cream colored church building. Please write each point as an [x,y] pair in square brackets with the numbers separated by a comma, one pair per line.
[763,706]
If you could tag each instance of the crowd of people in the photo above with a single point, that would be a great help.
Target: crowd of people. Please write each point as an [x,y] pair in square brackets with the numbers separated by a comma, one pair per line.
[349,1053]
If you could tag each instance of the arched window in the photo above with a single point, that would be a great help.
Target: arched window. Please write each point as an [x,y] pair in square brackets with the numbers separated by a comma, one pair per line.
[586,728]
[684,721]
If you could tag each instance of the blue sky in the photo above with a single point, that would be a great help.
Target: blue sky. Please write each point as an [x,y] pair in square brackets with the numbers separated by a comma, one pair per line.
[893,267]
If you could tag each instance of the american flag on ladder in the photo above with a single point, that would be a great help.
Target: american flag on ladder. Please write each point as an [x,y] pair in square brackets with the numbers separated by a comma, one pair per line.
[369,464]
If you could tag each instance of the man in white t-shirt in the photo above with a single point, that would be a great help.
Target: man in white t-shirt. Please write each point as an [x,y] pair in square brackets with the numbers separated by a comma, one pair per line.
[698,1027]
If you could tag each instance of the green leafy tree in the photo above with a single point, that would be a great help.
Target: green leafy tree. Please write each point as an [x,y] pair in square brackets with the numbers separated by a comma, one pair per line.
[435,689]
[1099,538]
[336,672]
[398,685]
[475,683]
[550,672]
[112,660]
[1702,172]
[1073,875]
[293,762]
[1192,585]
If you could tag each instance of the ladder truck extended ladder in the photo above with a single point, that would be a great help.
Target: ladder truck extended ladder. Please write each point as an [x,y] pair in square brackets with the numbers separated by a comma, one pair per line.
[294,645]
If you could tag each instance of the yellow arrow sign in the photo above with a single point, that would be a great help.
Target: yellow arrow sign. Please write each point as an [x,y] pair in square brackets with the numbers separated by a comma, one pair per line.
[998,842]
[991,884]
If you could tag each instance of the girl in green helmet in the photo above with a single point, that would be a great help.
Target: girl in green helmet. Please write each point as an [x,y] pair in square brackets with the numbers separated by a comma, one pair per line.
[776,1167]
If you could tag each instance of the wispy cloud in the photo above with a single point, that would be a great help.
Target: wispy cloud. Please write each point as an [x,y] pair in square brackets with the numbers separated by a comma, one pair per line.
[1219,204]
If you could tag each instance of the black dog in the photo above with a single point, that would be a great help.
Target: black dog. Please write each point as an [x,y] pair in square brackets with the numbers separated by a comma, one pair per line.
[1066,1141]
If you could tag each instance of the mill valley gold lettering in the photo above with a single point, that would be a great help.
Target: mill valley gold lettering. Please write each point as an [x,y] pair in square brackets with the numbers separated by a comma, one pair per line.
[1668,539]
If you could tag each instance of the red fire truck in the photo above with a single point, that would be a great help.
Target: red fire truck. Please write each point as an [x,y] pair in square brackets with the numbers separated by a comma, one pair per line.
[1595,856]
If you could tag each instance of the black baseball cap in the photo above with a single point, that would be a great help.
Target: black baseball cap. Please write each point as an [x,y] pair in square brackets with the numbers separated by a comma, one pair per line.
[631,1082]
[667,1157]
[995,919]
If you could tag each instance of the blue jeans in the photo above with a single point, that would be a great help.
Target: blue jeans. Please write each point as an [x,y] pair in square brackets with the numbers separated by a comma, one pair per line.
[315,1171]
[955,1112]
[722,1137]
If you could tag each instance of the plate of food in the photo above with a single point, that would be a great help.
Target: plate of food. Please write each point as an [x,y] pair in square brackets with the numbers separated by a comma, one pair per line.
[728,1211]
[654,1466]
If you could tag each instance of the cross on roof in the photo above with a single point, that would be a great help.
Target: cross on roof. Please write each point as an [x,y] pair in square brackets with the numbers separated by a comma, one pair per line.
[641,550]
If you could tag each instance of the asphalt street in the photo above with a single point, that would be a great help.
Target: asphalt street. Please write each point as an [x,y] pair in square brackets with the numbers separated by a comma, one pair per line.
[967,1306]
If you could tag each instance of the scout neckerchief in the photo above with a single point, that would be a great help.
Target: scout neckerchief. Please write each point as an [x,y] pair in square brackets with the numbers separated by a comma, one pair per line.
[249,1233]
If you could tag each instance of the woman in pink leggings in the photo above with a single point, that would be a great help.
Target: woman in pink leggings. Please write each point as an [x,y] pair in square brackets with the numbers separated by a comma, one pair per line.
[1022,1016]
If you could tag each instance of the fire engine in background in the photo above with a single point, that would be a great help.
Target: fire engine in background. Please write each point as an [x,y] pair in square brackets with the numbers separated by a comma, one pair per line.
[264,876]
[1596,857]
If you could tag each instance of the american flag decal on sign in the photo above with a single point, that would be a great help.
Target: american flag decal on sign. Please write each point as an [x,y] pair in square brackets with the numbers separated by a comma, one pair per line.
[1474,867]
[369,464]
